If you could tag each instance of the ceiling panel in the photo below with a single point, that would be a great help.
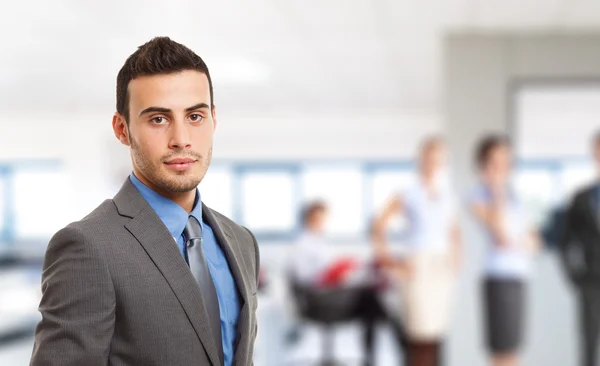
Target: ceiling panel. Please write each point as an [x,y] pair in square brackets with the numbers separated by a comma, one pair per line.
[422,15]
[515,14]
[330,53]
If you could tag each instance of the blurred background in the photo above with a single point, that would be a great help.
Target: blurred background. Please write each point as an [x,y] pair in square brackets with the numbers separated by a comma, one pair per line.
[324,100]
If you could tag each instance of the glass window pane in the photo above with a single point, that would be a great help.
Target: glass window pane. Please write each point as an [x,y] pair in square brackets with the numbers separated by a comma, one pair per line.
[216,190]
[341,187]
[385,185]
[268,201]
[537,190]
[42,203]
[557,120]
[575,176]
[2,203]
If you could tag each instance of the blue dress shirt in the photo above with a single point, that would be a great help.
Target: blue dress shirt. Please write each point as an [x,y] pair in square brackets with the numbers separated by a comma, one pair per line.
[175,218]
[512,262]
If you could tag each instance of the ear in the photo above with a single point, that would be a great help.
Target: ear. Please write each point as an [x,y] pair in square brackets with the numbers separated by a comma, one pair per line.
[120,129]
[213,111]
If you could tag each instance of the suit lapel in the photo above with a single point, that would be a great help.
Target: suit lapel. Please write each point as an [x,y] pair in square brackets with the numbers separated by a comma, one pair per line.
[151,233]
[230,245]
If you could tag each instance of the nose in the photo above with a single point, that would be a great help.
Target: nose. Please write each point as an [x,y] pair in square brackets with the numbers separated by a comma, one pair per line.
[179,136]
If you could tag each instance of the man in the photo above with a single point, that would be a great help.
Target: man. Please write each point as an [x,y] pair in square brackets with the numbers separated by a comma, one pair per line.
[153,276]
[580,250]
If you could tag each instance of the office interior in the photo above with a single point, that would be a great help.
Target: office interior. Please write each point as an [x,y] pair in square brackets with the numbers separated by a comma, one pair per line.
[315,100]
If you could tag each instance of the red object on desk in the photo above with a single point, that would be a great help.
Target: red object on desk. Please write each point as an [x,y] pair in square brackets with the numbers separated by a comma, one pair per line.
[337,272]
[262,279]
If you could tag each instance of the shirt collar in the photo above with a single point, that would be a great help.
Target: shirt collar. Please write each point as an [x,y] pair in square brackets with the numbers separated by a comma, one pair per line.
[170,213]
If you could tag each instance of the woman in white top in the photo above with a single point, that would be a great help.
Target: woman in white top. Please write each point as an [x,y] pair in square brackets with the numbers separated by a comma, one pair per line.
[510,245]
[428,271]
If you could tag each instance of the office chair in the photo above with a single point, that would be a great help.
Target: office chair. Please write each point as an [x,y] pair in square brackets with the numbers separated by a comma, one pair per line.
[327,308]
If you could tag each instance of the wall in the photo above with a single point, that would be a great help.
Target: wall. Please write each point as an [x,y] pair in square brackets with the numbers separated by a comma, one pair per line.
[98,163]
[306,135]
[478,71]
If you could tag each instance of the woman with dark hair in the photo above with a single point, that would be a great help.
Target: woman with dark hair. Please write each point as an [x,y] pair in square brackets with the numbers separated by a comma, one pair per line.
[510,246]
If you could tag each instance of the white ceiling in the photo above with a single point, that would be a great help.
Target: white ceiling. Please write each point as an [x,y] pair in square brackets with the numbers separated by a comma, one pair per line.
[63,55]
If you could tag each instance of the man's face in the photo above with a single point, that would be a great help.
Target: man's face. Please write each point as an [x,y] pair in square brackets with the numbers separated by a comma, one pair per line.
[170,132]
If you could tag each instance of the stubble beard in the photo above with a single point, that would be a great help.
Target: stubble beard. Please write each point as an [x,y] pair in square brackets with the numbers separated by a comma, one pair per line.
[171,181]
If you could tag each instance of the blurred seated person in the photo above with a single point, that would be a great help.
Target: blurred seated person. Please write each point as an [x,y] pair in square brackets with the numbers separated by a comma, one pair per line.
[316,264]
[314,261]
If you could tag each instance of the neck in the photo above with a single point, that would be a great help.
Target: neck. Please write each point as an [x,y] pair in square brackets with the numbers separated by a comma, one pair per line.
[428,179]
[498,186]
[183,199]
[499,190]
[313,230]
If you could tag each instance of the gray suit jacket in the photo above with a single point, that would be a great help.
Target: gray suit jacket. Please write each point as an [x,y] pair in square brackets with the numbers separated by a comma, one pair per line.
[117,291]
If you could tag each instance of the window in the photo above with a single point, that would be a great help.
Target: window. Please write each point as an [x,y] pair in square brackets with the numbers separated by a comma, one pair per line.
[268,201]
[3,205]
[41,202]
[384,184]
[575,175]
[556,120]
[537,189]
[554,124]
[341,187]
[216,190]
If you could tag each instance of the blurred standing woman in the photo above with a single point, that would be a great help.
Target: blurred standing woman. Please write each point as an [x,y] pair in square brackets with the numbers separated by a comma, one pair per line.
[510,245]
[428,271]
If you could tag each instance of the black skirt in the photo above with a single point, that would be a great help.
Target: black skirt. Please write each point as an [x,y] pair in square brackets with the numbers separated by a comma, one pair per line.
[504,301]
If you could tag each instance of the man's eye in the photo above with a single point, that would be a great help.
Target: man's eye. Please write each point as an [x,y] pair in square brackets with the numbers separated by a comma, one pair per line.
[196,117]
[158,120]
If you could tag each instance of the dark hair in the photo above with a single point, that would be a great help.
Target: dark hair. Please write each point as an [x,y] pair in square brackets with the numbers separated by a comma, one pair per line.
[311,209]
[487,145]
[159,56]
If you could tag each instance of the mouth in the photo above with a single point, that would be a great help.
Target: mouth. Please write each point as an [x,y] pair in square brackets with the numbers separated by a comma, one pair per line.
[180,164]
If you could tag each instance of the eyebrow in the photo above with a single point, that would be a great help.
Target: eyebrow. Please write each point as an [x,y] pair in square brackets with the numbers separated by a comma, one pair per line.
[154,109]
[197,106]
